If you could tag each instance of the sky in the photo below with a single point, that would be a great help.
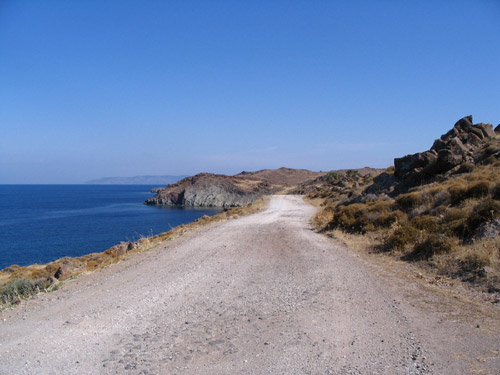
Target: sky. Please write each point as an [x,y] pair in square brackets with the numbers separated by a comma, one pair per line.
[98,88]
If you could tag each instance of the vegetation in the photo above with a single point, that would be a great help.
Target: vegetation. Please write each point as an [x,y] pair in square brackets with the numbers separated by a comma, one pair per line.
[440,225]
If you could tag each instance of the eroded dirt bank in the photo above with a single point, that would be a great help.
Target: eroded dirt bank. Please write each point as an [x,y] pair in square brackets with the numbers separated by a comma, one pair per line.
[262,294]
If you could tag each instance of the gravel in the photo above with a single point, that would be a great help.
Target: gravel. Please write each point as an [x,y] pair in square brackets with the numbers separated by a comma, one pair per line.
[262,294]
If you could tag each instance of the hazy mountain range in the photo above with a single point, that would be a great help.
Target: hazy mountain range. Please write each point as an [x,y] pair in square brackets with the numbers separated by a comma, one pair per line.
[136,180]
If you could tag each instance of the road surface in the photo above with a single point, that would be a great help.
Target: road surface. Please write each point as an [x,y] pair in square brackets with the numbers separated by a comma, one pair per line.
[263,294]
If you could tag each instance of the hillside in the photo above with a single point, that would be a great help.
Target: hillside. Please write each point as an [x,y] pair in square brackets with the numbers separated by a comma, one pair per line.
[282,176]
[216,190]
[439,209]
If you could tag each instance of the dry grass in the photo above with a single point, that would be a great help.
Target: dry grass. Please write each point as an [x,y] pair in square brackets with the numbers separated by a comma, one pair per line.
[433,225]
[17,282]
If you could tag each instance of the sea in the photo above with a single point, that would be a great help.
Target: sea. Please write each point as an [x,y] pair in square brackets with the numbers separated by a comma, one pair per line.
[42,223]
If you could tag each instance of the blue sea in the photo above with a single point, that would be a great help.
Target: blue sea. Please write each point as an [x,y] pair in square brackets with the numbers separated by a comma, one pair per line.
[42,223]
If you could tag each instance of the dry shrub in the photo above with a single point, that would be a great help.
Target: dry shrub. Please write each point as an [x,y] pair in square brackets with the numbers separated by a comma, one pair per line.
[458,192]
[485,211]
[479,189]
[465,168]
[434,244]
[495,191]
[441,198]
[322,218]
[401,237]
[469,262]
[426,223]
[390,170]
[409,201]
[92,265]
[361,217]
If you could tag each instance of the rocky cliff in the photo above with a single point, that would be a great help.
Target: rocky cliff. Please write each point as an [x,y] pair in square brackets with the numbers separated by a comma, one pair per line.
[214,190]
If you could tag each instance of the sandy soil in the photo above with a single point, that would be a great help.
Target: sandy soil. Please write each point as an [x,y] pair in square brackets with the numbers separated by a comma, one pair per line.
[262,294]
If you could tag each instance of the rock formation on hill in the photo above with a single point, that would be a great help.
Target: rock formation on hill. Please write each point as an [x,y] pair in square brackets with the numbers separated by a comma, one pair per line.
[457,146]
[464,146]
[214,190]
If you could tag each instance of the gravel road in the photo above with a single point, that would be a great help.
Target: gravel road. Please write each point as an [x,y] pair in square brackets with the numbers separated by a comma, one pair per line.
[262,294]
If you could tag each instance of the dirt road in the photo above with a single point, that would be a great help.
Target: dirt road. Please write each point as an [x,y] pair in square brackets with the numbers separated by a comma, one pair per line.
[262,294]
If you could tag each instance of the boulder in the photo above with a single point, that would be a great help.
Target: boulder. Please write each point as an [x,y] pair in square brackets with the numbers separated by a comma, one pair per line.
[497,129]
[490,229]
[414,163]
[63,272]
[487,130]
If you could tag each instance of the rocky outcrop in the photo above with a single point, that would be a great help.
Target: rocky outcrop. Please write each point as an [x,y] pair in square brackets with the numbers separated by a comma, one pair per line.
[213,190]
[461,144]
[210,190]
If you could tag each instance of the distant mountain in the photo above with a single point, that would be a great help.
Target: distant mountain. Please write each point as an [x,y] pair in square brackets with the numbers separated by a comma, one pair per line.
[136,180]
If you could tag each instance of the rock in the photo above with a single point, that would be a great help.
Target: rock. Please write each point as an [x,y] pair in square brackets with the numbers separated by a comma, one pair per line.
[210,190]
[382,182]
[487,130]
[63,272]
[457,146]
[497,129]
[414,163]
[490,229]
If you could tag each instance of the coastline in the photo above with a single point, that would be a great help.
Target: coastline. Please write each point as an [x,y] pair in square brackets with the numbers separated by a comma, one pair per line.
[18,283]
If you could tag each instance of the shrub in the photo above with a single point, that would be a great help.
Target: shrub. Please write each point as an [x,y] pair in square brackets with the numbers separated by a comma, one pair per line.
[473,263]
[352,173]
[360,218]
[483,212]
[409,201]
[13,291]
[432,245]
[454,213]
[332,177]
[479,189]
[442,197]
[426,223]
[404,235]
[495,191]
[458,193]
[466,168]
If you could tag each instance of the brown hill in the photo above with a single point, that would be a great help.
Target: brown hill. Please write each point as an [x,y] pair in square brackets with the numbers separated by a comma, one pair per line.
[282,176]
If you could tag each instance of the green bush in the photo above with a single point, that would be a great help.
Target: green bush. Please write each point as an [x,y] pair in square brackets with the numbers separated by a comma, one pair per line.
[14,291]
[352,173]
[333,177]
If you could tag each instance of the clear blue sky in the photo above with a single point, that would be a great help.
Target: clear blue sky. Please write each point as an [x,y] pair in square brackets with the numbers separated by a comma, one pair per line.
[120,88]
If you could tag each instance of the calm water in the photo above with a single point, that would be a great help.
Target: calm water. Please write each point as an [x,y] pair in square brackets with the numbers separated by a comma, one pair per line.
[41,223]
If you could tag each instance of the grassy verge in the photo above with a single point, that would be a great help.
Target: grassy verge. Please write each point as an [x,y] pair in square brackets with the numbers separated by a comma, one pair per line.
[18,283]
